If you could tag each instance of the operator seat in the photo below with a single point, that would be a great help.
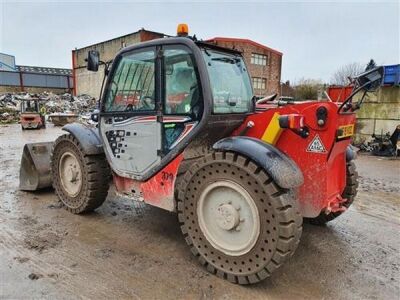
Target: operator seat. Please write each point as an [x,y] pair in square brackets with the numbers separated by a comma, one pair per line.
[196,103]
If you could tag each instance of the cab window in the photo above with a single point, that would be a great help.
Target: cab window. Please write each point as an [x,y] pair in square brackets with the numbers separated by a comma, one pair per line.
[132,86]
[182,90]
[230,82]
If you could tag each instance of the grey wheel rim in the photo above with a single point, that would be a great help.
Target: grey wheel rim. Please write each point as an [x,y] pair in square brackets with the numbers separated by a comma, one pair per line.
[70,174]
[228,217]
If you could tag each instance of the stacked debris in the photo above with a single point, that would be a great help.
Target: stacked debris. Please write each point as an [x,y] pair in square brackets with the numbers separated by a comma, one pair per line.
[9,109]
[383,144]
[68,103]
[10,104]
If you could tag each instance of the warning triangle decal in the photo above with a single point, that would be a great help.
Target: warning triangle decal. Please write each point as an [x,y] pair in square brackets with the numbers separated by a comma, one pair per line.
[316,145]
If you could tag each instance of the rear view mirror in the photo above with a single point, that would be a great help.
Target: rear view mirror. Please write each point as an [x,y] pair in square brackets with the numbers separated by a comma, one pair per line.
[370,80]
[94,116]
[93,60]
[169,69]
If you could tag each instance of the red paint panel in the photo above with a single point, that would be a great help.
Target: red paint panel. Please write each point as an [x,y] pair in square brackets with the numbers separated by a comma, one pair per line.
[339,93]
[126,186]
[324,173]
[159,190]
[31,120]
[73,73]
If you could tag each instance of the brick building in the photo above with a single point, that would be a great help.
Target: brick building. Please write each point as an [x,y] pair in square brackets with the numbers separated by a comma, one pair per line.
[87,82]
[264,63]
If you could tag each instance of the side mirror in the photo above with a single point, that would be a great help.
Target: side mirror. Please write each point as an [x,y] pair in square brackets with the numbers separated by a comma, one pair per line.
[93,60]
[94,116]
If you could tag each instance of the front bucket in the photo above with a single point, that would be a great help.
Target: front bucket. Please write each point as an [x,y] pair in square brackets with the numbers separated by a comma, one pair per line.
[34,173]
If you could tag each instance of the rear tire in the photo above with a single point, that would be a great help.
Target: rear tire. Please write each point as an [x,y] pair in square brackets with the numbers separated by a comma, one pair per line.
[81,181]
[349,193]
[238,223]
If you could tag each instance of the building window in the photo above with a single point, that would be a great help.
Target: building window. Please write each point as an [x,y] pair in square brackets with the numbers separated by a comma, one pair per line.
[258,59]
[259,83]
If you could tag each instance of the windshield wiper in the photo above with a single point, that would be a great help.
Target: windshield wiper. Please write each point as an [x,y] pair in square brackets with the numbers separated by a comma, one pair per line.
[226,59]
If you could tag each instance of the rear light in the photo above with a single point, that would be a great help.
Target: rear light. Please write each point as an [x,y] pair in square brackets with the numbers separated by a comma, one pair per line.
[294,122]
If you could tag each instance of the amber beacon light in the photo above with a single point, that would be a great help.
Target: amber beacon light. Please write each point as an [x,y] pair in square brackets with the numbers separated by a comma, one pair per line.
[182,30]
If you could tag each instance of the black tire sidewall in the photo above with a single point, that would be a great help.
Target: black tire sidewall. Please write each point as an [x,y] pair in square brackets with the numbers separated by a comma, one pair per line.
[63,146]
[262,252]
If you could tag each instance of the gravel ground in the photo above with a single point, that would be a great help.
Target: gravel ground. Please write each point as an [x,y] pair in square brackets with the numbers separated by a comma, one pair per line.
[128,249]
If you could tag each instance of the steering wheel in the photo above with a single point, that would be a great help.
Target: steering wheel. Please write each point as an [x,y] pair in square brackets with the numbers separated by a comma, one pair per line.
[129,107]
[147,102]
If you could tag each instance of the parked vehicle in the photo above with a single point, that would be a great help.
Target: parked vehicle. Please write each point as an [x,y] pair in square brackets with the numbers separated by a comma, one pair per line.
[32,114]
[178,126]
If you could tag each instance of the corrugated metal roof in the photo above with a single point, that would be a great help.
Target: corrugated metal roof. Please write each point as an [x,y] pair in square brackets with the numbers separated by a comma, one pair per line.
[44,70]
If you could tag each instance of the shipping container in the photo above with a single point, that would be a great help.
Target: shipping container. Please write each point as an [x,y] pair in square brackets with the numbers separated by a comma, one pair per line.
[392,75]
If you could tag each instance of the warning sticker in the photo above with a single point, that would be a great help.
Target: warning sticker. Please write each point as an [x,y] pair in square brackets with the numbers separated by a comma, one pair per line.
[316,145]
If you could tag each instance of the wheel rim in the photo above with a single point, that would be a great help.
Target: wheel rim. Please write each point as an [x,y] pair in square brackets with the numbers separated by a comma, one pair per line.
[228,218]
[70,174]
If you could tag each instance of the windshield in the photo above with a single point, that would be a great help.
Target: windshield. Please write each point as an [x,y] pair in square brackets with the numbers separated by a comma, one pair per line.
[230,82]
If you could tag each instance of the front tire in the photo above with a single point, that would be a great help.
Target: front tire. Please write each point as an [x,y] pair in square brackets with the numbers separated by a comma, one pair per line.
[81,181]
[235,219]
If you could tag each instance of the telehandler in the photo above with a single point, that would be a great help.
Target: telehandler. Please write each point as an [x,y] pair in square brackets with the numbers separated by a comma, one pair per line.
[178,127]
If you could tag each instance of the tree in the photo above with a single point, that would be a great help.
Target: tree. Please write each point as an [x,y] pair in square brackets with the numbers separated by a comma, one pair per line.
[371,65]
[307,89]
[341,76]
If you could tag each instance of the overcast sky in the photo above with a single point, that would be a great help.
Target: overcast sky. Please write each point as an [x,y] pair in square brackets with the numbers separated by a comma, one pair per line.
[315,37]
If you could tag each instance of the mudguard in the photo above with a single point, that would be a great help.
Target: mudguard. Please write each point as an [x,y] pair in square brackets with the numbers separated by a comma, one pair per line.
[277,164]
[87,136]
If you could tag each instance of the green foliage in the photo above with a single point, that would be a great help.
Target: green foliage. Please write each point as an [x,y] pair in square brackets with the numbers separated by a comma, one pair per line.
[308,89]
[371,65]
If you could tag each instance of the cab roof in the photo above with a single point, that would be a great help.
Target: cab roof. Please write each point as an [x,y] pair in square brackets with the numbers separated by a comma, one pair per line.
[188,41]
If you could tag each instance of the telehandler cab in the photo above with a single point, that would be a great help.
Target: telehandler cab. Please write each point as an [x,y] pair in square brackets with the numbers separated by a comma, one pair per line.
[178,126]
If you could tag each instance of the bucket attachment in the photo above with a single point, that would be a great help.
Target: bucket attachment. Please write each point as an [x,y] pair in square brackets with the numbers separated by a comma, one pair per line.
[34,173]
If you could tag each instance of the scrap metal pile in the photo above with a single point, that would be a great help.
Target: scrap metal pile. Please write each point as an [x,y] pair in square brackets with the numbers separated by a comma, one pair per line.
[10,104]
[383,144]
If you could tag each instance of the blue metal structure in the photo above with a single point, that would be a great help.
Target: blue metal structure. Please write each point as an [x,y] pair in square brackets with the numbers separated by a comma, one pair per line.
[391,75]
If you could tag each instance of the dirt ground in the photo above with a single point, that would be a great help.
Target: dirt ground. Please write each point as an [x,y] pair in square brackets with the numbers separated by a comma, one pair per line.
[127,249]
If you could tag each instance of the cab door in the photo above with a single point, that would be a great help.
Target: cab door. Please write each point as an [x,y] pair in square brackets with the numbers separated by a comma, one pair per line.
[129,125]
[182,99]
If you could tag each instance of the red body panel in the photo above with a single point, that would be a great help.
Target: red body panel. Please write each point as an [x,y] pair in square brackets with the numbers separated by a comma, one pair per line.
[31,120]
[159,189]
[339,93]
[324,173]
